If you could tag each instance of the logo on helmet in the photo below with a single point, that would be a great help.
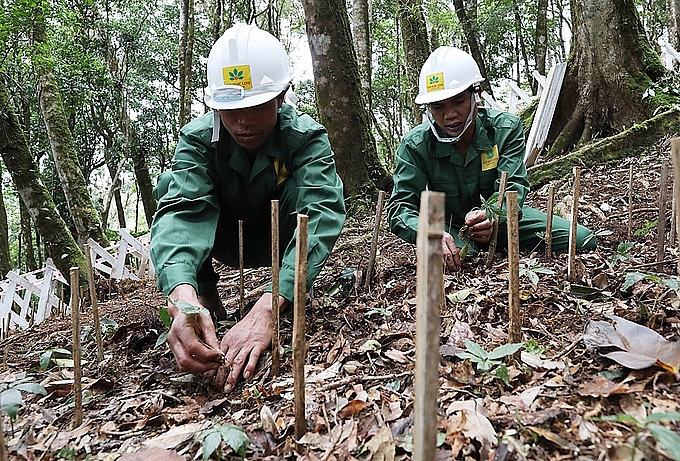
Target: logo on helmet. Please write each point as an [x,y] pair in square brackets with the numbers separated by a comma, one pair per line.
[237,75]
[435,82]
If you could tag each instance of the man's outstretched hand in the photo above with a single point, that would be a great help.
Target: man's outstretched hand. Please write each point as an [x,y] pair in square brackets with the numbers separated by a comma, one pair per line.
[244,342]
[192,338]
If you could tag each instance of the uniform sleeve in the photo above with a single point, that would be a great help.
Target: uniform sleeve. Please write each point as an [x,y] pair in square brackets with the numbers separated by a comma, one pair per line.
[410,179]
[511,151]
[183,229]
[320,197]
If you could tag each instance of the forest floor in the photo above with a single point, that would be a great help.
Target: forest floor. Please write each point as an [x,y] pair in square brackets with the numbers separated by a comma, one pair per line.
[552,404]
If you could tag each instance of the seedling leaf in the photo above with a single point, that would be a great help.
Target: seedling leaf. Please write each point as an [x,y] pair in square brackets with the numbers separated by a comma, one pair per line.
[667,439]
[504,350]
[211,442]
[11,401]
[33,388]
[236,438]
[476,349]
[189,309]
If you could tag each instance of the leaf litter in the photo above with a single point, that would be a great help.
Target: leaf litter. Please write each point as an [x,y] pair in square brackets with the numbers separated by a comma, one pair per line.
[361,359]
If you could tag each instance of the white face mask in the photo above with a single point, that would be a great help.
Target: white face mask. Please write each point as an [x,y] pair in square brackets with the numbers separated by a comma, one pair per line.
[474,99]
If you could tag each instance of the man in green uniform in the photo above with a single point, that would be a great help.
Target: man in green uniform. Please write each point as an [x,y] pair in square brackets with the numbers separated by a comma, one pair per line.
[461,150]
[227,167]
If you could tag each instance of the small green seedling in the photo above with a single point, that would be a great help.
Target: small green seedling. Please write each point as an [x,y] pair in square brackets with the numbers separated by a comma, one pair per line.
[167,321]
[532,347]
[633,277]
[647,229]
[667,438]
[58,357]
[192,312]
[531,269]
[622,253]
[491,208]
[212,438]
[486,361]
[384,311]
[11,399]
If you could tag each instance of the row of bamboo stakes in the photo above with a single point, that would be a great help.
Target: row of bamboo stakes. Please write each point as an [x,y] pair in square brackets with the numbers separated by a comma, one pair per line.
[429,295]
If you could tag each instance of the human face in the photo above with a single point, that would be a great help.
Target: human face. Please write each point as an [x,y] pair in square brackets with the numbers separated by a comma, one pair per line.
[452,113]
[251,126]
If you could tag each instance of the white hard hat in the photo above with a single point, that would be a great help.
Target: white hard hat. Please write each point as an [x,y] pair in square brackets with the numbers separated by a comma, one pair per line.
[448,71]
[246,67]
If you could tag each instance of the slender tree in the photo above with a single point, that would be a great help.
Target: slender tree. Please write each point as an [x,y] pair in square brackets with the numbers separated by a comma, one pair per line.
[339,102]
[416,48]
[467,21]
[673,20]
[541,39]
[5,257]
[361,31]
[186,51]
[27,238]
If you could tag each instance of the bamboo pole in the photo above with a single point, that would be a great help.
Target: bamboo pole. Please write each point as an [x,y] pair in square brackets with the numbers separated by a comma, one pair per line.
[77,371]
[571,270]
[493,240]
[515,327]
[276,351]
[630,203]
[374,241]
[661,222]
[548,221]
[241,300]
[429,282]
[299,342]
[675,149]
[95,302]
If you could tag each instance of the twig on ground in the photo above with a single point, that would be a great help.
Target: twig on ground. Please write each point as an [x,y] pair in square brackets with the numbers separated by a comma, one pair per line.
[364,379]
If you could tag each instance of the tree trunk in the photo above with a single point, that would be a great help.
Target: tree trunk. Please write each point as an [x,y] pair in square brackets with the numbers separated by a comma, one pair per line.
[522,46]
[610,67]
[186,46]
[473,41]
[59,243]
[61,141]
[5,257]
[361,31]
[541,42]
[673,20]
[338,98]
[144,183]
[416,49]
[28,249]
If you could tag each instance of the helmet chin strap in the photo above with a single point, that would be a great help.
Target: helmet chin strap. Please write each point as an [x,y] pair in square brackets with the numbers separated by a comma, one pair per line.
[474,99]
[217,123]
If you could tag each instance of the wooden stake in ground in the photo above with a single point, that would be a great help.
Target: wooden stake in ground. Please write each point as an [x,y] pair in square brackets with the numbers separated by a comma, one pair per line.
[374,242]
[299,327]
[95,302]
[661,223]
[571,270]
[515,327]
[429,281]
[3,445]
[630,203]
[493,240]
[241,302]
[675,150]
[276,353]
[77,372]
[548,221]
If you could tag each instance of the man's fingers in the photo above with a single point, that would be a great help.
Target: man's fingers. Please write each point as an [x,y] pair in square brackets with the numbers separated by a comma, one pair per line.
[236,367]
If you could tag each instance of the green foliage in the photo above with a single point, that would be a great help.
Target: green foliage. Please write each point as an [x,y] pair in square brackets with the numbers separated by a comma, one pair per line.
[486,361]
[490,207]
[622,253]
[167,321]
[532,347]
[189,309]
[11,399]
[58,357]
[68,453]
[598,233]
[384,311]
[531,269]
[633,277]
[213,437]
[647,229]
[667,438]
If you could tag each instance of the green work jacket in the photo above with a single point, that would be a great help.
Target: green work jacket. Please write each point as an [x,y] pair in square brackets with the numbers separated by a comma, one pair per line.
[424,163]
[209,178]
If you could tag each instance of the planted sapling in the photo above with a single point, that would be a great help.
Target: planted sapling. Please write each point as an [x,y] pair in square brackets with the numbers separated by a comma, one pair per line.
[489,361]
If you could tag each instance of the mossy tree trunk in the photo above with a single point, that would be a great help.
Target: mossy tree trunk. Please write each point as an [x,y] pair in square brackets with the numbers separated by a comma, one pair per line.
[63,148]
[338,98]
[27,238]
[610,67]
[361,32]
[59,243]
[416,49]
[5,257]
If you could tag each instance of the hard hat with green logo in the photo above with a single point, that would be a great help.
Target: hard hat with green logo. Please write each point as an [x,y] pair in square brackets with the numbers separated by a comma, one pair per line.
[246,67]
[447,72]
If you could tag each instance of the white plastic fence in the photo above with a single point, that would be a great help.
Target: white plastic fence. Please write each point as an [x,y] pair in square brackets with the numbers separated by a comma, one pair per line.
[20,292]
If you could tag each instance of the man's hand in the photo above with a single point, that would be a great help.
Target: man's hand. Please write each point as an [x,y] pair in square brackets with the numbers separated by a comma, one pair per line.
[479,227]
[450,253]
[194,343]
[243,344]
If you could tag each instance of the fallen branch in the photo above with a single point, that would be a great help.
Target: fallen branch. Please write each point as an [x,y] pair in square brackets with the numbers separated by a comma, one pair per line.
[364,379]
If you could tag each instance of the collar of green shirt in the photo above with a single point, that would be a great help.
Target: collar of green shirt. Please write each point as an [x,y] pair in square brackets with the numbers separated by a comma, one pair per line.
[480,143]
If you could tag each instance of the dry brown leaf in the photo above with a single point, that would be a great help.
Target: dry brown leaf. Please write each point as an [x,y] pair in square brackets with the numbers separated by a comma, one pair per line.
[633,408]
[391,410]
[153,454]
[381,446]
[352,408]
[554,438]
[602,387]
[477,425]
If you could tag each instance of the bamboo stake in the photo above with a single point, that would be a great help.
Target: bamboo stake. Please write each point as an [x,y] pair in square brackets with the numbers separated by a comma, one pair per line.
[515,327]
[429,281]
[671,237]
[77,372]
[299,342]
[493,240]
[241,302]
[548,221]
[675,149]
[3,445]
[661,223]
[276,352]
[95,302]
[571,270]
[374,242]
[630,203]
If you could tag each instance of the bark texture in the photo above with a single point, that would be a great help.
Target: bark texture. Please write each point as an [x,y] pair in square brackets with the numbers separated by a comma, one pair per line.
[416,48]
[5,258]
[673,22]
[65,156]
[610,67]
[541,40]
[59,243]
[361,29]
[27,238]
[469,28]
[338,98]
[186,52]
